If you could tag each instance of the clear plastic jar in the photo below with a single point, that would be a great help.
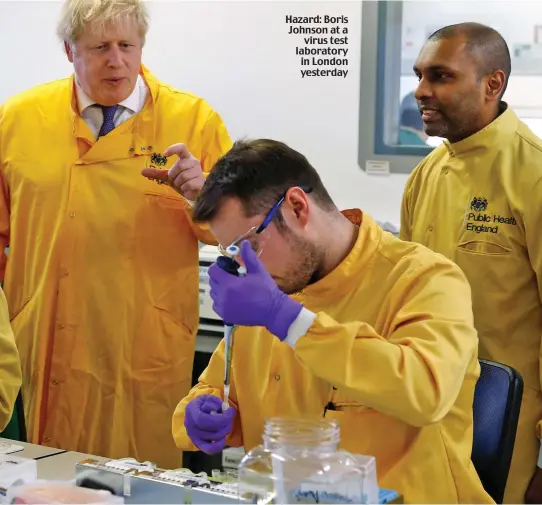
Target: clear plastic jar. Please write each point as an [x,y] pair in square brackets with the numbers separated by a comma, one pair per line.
[256,480]
[299,462]
[255,476]
[300,434]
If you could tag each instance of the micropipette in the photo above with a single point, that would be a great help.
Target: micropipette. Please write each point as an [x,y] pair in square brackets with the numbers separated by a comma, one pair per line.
[231,266]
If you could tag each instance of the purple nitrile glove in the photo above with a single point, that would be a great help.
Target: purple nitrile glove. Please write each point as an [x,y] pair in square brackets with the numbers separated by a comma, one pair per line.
[206,424]
[253,299]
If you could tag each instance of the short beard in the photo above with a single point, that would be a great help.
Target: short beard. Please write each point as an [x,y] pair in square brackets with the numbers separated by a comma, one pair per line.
[305,267]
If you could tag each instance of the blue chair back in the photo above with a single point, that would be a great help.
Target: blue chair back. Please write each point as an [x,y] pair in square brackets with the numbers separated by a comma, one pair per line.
[497,402]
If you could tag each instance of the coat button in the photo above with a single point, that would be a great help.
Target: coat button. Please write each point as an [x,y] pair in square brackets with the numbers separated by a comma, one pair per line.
[72,214]
[277,377]
[55,383]
[47,439]
[430,228]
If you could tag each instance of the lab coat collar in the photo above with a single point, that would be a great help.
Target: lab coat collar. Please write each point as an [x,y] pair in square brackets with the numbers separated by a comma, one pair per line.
[498,132]
[144,122]
[334,284]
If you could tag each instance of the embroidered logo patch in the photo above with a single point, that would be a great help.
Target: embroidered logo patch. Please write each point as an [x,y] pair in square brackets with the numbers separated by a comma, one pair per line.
[478,204]
[158,159]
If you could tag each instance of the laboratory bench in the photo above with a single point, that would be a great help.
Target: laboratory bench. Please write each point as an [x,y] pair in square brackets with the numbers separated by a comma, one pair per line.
[30,451]
[59,465]
[62,466]
[52,464]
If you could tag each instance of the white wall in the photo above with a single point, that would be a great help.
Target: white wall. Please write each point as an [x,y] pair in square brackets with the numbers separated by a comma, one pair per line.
[239,57]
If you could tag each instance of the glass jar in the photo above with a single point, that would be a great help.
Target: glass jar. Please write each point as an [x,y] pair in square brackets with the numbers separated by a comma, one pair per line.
[299,462]
[256,480]
[255,476]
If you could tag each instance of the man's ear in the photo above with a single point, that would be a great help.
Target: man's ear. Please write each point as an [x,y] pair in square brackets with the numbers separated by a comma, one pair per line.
[495,85]
[299,205]
[69,52]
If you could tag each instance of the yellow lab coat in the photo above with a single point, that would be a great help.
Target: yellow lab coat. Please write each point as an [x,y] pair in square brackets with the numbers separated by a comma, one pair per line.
[102,277]
[394,335]
[10,366]
[478,202]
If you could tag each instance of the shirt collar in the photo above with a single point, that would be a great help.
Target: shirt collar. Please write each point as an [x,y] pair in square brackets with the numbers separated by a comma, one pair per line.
[498,132]
[131,103]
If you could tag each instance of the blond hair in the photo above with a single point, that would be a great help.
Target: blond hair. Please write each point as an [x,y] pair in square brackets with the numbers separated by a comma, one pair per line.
[78,14]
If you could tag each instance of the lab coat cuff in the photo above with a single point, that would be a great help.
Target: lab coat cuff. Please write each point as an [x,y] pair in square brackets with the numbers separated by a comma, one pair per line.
[539,464]
[300,326]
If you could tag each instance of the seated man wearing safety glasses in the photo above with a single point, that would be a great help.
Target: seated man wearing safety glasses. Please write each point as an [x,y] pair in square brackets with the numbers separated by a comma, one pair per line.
[338,319]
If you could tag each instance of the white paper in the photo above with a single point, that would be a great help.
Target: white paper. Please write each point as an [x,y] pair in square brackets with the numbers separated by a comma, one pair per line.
[377,167]
[10,448]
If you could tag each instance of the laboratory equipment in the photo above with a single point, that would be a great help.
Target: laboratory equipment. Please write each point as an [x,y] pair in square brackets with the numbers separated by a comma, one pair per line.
[210,322]
[228,351]
[231,457]
[154,485]
[230,265]
[299,462]
[142,485]
[255,471]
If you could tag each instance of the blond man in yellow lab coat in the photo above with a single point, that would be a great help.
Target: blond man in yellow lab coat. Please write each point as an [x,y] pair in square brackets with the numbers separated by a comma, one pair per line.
[338,319]
[10,366]
[102,276]
[477,199]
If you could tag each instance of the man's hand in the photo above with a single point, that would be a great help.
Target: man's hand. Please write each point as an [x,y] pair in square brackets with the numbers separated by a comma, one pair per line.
[534,491]
[253,299]
[207,425]
[185,176]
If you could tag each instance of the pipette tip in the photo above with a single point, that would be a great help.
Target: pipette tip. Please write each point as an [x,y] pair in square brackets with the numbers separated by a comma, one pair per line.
[233,250]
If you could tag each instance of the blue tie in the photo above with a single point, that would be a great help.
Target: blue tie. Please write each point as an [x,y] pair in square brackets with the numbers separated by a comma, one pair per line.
[109,114]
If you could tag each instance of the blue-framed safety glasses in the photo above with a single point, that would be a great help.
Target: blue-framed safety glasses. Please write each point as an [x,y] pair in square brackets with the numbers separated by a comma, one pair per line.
[256,234]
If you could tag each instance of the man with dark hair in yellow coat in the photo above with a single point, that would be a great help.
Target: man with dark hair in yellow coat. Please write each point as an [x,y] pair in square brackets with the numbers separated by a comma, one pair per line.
[477,199]
[98,174]
[338,319]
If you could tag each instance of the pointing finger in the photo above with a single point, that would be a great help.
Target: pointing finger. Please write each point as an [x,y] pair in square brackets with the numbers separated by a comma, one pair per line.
[155,173]
[179,149]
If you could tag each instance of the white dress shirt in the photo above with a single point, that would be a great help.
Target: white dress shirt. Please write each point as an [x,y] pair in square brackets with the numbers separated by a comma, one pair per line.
[93,115]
